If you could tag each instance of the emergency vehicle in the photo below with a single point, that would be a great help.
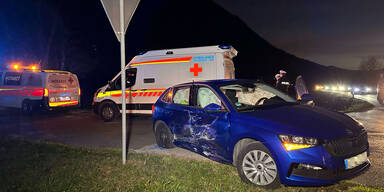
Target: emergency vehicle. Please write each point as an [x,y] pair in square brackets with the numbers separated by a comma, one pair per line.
[150,73]
[29,89]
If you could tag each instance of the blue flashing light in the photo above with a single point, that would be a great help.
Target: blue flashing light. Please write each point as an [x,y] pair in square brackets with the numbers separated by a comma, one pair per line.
[143,52]
[225,46]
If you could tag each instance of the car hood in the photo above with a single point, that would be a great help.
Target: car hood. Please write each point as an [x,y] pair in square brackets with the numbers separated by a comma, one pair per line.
[304,120]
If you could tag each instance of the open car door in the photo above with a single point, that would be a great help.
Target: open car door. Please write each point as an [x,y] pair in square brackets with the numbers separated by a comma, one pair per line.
[300,87]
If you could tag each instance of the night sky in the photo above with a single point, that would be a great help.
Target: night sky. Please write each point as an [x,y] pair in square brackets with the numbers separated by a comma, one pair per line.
[338,33]
[328,32]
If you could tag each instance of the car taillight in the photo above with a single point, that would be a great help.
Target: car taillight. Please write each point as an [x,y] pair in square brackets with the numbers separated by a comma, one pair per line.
[153,108]
[46,93]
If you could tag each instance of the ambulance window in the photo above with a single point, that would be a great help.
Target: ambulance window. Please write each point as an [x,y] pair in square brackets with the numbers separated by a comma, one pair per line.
[149,80]
[12,78]
[32,79]
[130,77]
[116,84]
[181,96]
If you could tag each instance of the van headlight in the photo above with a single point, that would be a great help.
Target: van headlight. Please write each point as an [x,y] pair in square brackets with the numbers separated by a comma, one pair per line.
[291,142]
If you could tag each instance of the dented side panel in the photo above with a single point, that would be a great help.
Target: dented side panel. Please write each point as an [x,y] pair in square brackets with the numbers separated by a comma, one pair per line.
[210,131]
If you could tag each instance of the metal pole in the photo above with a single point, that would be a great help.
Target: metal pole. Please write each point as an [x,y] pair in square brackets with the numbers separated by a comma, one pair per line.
[123,93]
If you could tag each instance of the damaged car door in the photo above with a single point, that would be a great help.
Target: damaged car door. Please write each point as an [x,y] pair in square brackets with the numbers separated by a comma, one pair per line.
[180,114]
[209,123]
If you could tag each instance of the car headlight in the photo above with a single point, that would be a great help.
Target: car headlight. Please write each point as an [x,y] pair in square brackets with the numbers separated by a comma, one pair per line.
[296,142]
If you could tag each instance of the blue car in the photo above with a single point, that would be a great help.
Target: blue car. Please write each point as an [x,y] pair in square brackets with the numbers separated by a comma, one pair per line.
[270,137]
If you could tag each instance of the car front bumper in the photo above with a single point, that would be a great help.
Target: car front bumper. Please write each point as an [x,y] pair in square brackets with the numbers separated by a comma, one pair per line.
[332,168]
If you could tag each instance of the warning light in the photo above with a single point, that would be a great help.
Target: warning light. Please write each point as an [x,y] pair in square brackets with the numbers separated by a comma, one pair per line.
[15,67]
[46,93]
[33,67]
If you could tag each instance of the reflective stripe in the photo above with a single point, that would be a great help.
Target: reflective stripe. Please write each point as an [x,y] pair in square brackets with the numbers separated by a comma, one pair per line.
[63,103]
[161,61]
[147,92]
[22,91]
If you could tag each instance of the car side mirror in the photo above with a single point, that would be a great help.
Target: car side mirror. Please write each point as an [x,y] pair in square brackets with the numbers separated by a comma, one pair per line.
[213,107]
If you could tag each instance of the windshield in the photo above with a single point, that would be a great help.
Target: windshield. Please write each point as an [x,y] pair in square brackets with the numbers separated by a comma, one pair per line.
[253,96]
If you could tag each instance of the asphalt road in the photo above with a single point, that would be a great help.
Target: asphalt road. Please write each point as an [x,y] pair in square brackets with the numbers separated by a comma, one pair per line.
[77,127]
[373,121]
[83,128]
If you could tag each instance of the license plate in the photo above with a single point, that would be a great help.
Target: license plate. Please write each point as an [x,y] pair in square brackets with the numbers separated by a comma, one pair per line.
[356,160]
[64,98]
[65,94]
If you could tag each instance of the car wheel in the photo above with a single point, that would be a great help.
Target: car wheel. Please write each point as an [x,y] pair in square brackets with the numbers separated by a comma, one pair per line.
[26,107]
[108,111]
[164,137]
[255,165]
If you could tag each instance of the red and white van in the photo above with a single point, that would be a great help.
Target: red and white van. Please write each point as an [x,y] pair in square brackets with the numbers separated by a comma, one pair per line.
[150,73]
[30,89]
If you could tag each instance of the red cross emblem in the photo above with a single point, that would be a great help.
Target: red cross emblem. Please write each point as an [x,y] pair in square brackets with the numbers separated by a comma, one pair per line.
[196,69]
[70,80]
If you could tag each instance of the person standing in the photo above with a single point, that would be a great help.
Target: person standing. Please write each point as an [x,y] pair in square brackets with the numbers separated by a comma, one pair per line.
[282,81]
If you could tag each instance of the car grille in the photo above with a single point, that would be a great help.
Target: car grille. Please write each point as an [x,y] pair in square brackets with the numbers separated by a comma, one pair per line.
[347,146]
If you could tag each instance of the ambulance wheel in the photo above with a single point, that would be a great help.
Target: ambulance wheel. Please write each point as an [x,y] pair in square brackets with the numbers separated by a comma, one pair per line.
[27,107]
[108,111]
[164,137]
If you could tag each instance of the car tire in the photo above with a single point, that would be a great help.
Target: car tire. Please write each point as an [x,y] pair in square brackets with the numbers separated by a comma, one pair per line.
[164,137]
[27,107]
[255,165]
[108,111]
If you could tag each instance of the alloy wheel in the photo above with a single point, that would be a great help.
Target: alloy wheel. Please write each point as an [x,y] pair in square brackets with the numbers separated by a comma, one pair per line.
[259,167]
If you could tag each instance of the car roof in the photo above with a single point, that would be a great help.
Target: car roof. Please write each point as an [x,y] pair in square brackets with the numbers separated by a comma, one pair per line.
[218,82]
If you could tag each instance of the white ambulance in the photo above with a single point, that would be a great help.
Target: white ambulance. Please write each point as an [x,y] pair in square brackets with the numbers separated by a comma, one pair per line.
[31,89]
[150,73]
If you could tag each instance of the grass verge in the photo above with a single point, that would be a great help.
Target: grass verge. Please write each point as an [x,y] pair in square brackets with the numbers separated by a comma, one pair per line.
[39,166]
[340,102]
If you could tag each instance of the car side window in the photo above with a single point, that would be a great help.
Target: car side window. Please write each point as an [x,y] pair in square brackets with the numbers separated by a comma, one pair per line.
[167,96]
[206,96]
[181,96]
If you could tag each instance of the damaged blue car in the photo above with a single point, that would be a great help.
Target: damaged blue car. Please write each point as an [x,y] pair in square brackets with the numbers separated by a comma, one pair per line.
[271,138]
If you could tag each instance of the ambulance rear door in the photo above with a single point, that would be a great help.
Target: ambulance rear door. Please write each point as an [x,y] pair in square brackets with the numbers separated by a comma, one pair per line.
[225,64]
[63,88]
